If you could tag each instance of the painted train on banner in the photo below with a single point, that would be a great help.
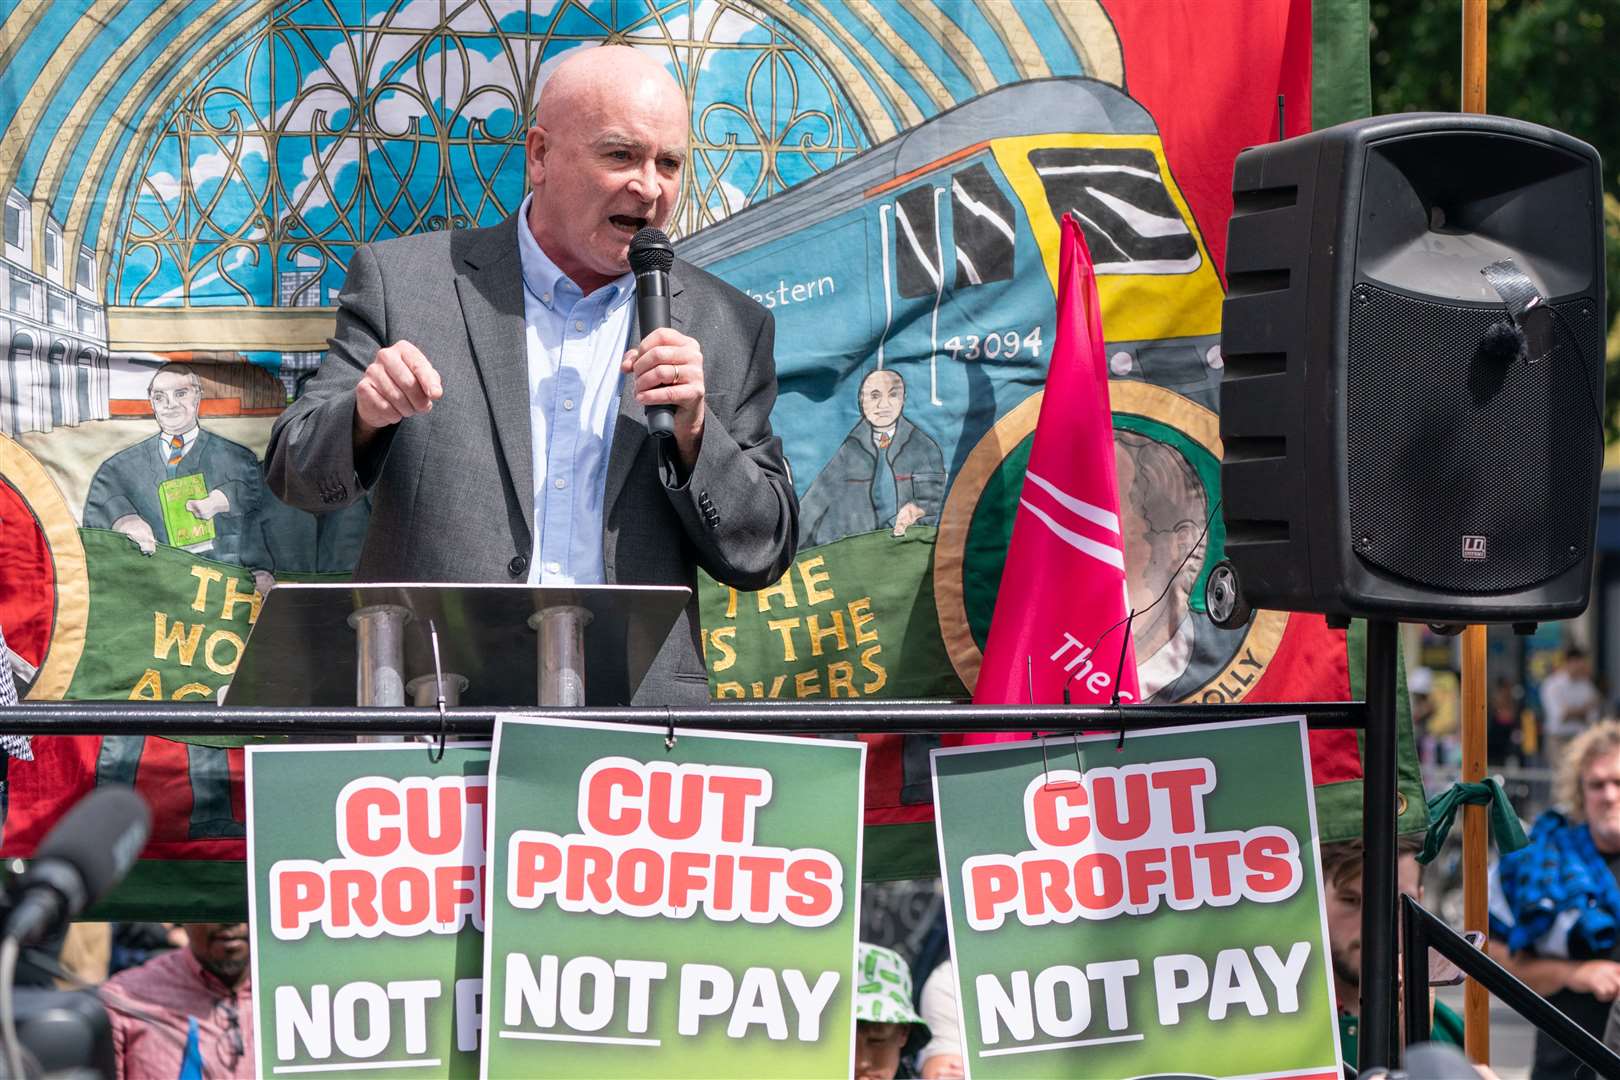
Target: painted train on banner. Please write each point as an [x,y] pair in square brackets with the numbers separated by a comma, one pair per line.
[913,290]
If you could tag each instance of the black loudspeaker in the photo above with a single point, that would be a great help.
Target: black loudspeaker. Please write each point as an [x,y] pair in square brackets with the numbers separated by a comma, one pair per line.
[1412,400]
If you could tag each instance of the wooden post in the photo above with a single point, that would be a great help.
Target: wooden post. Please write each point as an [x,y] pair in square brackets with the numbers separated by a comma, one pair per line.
[1476,1001]
[1473,56]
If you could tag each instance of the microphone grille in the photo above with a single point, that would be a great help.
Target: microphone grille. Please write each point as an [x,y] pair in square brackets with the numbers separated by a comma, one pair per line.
[650,250]
[101,835]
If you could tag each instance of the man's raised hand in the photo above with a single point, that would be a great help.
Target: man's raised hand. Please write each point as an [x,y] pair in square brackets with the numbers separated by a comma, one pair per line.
[668,370]
[400,382]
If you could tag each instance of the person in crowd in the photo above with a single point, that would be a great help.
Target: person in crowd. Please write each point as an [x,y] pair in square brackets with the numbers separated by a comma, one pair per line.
[1341,877]
[21,748]
[885,1022]
[187,1009]
[11,746]
[86,950]
[1420,689]
[1502,734]
[941,1057]
[1555,905]
[134,943]
[1569,703]
[479,388]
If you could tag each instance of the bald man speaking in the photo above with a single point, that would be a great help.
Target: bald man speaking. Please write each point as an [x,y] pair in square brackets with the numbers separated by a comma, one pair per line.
[488,387]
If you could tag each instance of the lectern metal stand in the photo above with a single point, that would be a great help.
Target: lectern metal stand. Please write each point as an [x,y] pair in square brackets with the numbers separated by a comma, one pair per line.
[562,653]
[424,690]
[343,644]
[379,650]
[379,635]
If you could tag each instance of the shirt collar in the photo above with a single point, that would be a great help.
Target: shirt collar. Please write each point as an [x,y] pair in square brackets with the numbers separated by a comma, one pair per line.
[189,436]
[549,285]
[211,982]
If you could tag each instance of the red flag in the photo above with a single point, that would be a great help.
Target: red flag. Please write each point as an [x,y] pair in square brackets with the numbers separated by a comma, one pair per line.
[1059,622]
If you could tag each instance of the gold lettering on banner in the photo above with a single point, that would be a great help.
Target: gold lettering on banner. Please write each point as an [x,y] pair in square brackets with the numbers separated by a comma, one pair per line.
[235,594]
[219,637]
[844,636]
[165,638]
[205,575]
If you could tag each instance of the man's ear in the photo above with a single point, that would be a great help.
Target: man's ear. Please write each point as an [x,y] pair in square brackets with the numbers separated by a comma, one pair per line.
[535,146]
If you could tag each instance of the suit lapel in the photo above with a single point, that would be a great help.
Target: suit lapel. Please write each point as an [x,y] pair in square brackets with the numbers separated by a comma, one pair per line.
[490,287]
[630,429]
[193,456]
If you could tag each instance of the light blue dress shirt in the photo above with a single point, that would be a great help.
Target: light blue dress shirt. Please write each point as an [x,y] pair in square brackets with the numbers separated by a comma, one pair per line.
[575,343]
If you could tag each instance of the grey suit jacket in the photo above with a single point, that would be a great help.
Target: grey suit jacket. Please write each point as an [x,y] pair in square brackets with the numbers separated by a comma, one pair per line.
[453,489]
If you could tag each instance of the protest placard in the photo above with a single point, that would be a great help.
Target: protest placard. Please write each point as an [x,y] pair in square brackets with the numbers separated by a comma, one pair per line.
[367,908]
[1145,909]
[688,911]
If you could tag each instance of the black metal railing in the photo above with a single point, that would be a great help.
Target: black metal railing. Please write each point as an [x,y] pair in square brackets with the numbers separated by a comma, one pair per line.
[824,717]
[1422,931]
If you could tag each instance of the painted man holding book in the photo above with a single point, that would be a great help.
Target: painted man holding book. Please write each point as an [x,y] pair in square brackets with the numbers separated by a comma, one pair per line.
[185,487]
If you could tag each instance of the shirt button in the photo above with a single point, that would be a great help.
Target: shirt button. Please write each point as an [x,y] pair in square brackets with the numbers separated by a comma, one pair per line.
[559,483]
[545,298]
[553,568]
[568,403]
[578,325]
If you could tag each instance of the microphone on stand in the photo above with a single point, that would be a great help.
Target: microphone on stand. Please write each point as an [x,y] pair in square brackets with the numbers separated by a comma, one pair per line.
[650,258]
[86,854]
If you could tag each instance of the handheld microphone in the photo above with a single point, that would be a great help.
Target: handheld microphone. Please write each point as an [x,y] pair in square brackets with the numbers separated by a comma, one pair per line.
[650,258]
[89,851]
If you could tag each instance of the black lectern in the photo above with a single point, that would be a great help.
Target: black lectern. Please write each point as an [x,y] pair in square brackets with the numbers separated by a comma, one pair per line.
[498,645]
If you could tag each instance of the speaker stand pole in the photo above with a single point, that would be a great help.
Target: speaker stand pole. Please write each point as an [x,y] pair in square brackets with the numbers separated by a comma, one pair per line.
[1379,1029]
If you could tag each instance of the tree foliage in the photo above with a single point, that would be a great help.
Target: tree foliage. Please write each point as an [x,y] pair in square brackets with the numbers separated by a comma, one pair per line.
[1548,61]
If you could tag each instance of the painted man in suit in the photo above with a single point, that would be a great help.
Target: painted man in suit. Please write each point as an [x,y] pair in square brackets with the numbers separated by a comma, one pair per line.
[479,388]
[124,493]
[887,474]
[124,496]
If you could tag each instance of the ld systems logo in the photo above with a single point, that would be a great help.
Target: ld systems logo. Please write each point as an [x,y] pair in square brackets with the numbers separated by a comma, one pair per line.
[1473,548]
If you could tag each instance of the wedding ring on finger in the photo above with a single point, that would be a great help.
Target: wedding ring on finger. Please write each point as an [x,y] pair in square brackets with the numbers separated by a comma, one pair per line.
[674,375]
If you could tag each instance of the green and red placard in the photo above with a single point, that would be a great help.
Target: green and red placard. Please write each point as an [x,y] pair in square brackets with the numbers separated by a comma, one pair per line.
[1147,909]
[680,911]
[367,908]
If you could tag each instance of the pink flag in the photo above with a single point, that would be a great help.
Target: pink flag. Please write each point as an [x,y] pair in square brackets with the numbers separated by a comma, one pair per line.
[1060,612]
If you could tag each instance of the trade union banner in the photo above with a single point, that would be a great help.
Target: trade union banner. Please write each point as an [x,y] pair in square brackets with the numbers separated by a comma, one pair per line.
[185,182]
[1147,909]
[367,908]
[684,910]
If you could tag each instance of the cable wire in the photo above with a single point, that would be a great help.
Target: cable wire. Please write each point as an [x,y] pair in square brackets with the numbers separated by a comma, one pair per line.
[9,951]
[1133,613]
[53,967]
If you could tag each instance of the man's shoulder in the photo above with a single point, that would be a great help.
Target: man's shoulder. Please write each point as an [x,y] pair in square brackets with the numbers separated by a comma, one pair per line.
[149,980]
[436,245]
[413,247]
